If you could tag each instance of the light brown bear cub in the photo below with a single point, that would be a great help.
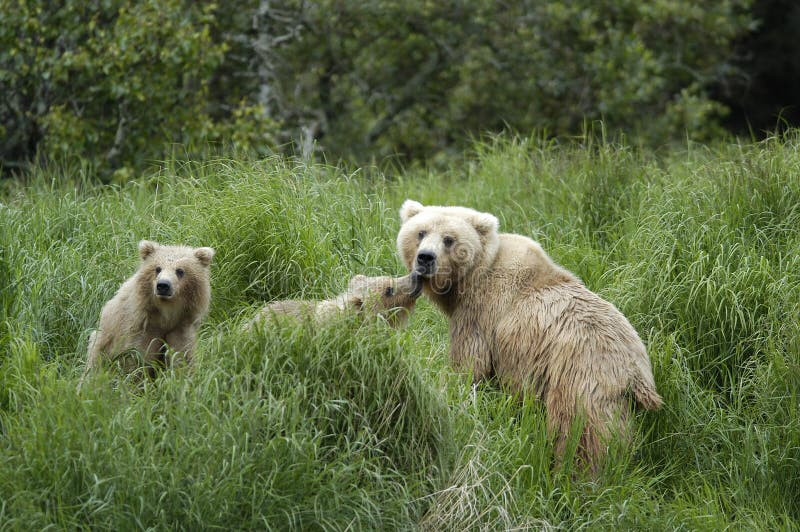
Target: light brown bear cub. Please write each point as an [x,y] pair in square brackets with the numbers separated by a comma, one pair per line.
[392,299]
[161,305]
[517,315]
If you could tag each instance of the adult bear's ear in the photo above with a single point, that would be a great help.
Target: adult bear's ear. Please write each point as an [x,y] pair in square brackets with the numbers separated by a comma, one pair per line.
[485,223]
[146,248]
[410,209]
[204,255]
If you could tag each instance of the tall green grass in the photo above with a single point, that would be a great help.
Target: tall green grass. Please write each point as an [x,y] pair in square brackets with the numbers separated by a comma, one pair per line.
[360,426]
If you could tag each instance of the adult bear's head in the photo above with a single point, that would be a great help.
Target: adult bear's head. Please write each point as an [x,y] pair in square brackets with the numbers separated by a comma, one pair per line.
[444,245]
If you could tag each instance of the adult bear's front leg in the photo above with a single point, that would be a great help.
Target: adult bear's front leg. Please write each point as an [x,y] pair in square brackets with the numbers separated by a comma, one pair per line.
[469,351]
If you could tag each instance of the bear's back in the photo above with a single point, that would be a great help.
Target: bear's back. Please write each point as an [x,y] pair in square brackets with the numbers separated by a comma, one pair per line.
[546,322]
[549,334]
[523,263]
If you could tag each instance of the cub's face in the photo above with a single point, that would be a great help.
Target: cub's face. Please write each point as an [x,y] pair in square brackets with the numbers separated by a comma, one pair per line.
[444,244]
[391,298]
[174,273]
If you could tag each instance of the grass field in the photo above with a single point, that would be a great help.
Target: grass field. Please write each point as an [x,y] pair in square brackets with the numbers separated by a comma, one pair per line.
[358,426]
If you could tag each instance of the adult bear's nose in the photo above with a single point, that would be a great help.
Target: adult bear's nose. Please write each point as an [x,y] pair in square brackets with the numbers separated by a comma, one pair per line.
[426,260]
[163,288]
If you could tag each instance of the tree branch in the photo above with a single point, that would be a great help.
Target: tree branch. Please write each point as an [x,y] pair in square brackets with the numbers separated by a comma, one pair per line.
[119,137]
[407,98]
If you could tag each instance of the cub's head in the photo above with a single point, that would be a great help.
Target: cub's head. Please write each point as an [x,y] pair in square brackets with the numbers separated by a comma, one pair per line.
[172,275]
[445,244]
[389,297]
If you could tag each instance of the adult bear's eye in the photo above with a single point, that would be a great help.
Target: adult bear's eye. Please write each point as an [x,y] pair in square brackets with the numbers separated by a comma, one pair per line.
[388,292]
[158,269]
[179,273]
[422,234]
[448,241]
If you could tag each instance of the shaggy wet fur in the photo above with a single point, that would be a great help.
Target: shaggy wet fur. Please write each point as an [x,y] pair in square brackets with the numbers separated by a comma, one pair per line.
[516,315]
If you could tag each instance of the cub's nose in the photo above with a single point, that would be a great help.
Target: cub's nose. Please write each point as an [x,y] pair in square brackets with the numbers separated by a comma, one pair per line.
[163,288]
[426,261]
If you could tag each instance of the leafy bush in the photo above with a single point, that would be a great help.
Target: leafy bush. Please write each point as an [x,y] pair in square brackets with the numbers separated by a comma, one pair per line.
[376,78]
[115,82]
[119,82]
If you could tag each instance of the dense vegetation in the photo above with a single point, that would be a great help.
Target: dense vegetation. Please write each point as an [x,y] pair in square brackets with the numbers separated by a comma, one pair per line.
[120,83]
[356,425]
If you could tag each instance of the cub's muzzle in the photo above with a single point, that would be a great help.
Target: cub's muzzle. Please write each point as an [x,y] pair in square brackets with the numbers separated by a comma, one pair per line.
[409,285]
[164,288]
[416,285]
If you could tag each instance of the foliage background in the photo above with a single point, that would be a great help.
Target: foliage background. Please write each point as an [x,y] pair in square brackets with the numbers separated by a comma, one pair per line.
[120,84]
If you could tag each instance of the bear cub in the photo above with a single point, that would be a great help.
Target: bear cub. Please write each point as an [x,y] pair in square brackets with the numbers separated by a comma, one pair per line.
[391,299]
[160,306]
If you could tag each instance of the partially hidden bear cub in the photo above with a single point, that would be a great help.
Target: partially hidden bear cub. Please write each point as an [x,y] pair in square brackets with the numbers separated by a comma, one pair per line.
[517,315]
[392,299]
[160,306]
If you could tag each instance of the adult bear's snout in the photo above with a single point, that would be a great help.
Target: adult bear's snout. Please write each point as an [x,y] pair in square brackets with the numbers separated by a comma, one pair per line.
[426,262]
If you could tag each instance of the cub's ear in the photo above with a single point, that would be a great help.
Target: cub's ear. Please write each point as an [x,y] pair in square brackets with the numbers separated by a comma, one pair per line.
[146,248]
[204,255]
[485,223]
[410,209]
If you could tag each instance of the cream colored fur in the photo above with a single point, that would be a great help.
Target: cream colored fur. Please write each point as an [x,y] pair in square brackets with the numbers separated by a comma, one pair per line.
[392,299]
[516,315]
[136,318]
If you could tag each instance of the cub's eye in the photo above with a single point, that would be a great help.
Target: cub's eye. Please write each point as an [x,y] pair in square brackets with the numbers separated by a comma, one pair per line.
[388,292]
[179,273]
[448,241]
[422,234]
[158,269]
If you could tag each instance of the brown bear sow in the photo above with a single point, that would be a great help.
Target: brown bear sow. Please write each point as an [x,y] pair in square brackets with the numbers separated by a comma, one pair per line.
[393,299]
[517,315]
[161,305]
